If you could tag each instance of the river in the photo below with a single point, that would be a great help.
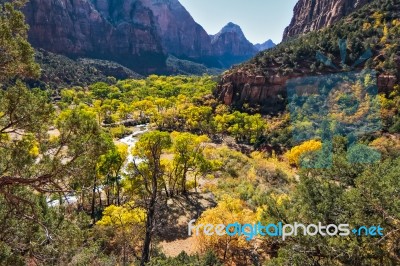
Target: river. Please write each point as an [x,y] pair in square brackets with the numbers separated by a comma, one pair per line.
[130,141]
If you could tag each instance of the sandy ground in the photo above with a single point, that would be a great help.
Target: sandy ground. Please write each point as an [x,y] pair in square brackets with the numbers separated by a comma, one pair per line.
[174,248]
[175,238]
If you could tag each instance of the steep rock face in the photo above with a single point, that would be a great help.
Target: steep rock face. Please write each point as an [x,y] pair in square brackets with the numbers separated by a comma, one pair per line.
[76,28]
[231,46]
[180,34]
[265,46]
[310,15]
[65,26]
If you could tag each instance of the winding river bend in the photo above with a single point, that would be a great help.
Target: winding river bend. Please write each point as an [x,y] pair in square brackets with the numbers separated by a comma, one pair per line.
[130,141]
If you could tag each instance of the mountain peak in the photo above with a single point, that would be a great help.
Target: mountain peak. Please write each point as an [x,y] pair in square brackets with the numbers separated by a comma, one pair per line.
[264,46]
[231,27]
[231,43]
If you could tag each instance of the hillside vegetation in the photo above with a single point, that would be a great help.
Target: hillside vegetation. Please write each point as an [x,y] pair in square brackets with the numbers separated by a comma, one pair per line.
[375,26]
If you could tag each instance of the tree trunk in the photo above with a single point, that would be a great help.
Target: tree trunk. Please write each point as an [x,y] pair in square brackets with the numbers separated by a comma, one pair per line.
[195,183]
[108,189]
[100,201]
[124,253]
[150,218]
[118,201]
[94,200]
[183,184]
[149,231]
[166,190]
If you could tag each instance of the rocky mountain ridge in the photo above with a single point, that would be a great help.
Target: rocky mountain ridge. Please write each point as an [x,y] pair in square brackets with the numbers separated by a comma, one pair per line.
[138,34]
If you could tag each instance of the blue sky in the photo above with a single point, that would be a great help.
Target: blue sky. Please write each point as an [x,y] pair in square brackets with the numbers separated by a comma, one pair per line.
[260,20]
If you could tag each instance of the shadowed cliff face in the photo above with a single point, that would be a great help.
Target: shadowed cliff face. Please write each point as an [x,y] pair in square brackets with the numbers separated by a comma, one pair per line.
[180,34]
[135,33]
[310,15]
[126,34]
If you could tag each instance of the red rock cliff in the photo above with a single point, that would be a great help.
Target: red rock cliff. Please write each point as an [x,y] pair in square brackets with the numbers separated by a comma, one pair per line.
[310,15]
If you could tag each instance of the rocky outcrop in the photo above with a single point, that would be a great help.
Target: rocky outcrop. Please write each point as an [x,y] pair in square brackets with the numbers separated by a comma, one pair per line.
[76,28]
[310,15]
[250,86]
[231,46]
[386,82]
[265,46]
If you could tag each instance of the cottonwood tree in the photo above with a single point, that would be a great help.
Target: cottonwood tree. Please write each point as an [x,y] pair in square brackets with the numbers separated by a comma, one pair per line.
[124,225]
[110,167]
[188,158]
[148,176]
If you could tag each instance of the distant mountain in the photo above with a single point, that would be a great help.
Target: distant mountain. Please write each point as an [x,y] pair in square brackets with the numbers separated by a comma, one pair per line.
[231,46]
[265,46]
[138,34]
[316,14]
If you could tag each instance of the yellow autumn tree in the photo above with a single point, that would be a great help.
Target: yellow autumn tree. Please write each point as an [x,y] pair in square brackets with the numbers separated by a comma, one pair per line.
[378,19]
[229,248]
[387,146]
[295,154]
[385,34]
[124,227]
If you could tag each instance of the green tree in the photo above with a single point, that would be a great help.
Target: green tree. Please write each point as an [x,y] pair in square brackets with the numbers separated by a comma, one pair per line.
[85,142]
[16,54]
[345,194]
